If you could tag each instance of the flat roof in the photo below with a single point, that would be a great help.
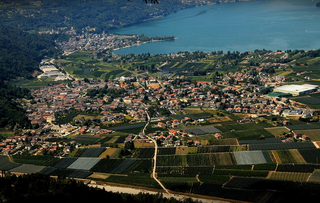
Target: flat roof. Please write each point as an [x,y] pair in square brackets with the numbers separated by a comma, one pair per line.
[296,88]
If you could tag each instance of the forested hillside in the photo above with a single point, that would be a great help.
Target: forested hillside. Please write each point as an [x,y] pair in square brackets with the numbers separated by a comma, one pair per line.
[10,112]
[102,15]
[21,52]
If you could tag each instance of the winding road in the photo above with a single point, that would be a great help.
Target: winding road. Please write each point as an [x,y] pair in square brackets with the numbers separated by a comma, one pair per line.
[154,175]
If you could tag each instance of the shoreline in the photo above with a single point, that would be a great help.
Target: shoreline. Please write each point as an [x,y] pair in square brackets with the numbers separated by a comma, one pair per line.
[161,16]
[134,45]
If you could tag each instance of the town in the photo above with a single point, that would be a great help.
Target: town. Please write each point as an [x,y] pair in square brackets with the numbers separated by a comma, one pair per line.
[178,106]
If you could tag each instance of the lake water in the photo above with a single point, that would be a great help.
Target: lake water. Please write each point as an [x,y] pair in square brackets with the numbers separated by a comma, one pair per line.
[241,26]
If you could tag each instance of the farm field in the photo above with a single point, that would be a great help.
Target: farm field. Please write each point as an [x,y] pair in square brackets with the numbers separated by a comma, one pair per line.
[96,175]
[227,141]
[250,157]
[27,168]
[140,180]
[192,150]
[48,170]
[243,173]
[166,150]
[65,162]
[80,174]
[203,130]
[288,156]
[178,179]
[302,168]
[315,177]
[185,170]
[279,146]
[113,139]
[261,141]
[106,165]
[36,160]
[84,163]
[84,139]
[144,153]
[111,153]
[181,150]
[142,166]
[247,131]
[296,177]
[121,168]
[6,164]
[303,127]
[310,155]
[93,152]
[276,131]
[142,144]
[81,64]
[225,158]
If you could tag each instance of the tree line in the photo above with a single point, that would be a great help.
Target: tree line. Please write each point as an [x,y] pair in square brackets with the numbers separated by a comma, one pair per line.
[41,188]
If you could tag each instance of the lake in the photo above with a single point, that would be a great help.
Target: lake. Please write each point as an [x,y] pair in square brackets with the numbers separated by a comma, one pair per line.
[241,26]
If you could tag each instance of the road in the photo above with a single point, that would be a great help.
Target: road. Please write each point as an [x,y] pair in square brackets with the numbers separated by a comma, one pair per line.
[135,191]
[154,175]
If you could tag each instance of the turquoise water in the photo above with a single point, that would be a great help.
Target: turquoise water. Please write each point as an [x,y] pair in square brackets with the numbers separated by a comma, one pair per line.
[241,26]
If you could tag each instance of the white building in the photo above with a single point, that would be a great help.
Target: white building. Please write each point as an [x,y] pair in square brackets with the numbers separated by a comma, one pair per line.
[296,90]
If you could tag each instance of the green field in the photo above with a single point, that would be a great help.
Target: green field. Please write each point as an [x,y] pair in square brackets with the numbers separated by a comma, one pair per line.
[36,160]
[276,131]
[297,177]
[141,180]
[82,64]
[248,131]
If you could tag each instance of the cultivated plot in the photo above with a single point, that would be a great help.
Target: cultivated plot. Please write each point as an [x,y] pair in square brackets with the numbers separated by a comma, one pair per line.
[5,163]
[80,174]
[84,163]
[65,162]
[311,155]
[279,146]
[252,157]
[93,152]
[123,166]
[303,127]
[301,168]
[276,131]
[261,141]
[28,168]
[106,165]
[48,170]
[111,153]
[203,130]
[296,177]
[315,177]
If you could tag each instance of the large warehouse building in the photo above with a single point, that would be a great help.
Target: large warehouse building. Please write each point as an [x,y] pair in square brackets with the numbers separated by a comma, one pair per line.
[296,90]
